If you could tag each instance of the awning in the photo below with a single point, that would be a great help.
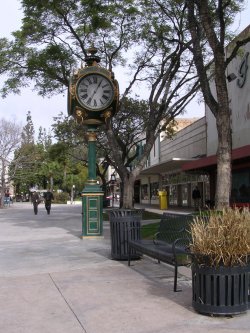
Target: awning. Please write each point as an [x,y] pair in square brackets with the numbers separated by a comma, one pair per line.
[170,165]
[209,161]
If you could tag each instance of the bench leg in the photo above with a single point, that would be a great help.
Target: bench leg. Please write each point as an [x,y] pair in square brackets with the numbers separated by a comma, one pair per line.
[175,277]
[129,255]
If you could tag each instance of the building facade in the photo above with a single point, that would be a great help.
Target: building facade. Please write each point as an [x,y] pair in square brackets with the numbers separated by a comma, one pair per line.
[164,172]
[238,75]
[189,158]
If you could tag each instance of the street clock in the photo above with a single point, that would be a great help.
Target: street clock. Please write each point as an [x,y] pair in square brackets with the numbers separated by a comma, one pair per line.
[93,93]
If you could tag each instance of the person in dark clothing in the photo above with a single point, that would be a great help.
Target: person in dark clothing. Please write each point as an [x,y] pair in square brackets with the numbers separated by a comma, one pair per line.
[48,197]
[35,200]
[196,196]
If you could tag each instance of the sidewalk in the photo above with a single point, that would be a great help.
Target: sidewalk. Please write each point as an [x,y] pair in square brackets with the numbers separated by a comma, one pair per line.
[51,281]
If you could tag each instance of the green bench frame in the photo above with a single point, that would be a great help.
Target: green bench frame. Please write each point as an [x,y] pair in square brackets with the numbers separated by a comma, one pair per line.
[169,245]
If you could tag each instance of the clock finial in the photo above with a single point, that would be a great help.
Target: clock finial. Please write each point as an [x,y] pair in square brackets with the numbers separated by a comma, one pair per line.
[92,59]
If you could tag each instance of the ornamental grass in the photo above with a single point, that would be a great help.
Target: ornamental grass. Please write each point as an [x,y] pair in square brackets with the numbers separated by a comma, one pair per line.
[222,238]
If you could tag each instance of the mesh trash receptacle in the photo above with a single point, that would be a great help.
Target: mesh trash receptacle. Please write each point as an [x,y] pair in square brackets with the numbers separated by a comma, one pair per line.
[124,225]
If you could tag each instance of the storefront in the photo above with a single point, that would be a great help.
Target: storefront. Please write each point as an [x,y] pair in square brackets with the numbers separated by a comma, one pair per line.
[179,185]
[187,145]
[149,190]
[180,188]
[240,193]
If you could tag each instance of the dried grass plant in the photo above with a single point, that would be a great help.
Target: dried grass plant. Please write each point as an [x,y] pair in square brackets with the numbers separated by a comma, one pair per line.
[222,238]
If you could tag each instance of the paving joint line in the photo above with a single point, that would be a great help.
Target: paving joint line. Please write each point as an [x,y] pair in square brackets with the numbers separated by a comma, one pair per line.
[65,300]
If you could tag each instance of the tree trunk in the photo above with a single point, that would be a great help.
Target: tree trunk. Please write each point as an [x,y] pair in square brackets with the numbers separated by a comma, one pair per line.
[199,17]
[224,155]
[128,193]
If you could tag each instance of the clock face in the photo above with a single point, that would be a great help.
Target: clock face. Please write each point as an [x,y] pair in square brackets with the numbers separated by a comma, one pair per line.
[95,92]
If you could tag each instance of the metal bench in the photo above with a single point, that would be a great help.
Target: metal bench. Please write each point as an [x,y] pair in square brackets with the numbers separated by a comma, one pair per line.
[169,245]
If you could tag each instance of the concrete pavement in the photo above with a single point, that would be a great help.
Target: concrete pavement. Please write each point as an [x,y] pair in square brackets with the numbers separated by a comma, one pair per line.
[52,281]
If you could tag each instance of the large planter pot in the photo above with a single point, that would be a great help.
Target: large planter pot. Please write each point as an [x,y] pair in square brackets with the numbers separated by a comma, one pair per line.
[220,290]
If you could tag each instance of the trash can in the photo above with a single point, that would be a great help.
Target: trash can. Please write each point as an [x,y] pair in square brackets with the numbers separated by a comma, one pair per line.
[163,199]
[124,224]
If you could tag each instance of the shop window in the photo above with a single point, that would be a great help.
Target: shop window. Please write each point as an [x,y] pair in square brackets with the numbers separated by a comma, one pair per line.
[184,193]
[154,187]
[173,193]
[144,192]
[240,186]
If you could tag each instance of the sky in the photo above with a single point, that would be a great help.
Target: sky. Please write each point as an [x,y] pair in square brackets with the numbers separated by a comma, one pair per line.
[15,107]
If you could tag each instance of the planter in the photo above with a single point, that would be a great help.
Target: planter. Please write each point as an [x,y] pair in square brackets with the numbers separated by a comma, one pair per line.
[220,290]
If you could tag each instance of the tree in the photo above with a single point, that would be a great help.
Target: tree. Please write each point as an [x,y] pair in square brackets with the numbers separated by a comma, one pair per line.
[60,32]
[208,23]
[4,56]
[25,166]
[27,159]
[166,66]
[10,136]
[54,38]
[28,130]
[128,127]
[68,158]
[43,138]
[42,163]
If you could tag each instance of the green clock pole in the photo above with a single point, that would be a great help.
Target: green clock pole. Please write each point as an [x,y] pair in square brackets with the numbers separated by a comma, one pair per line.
[92,196]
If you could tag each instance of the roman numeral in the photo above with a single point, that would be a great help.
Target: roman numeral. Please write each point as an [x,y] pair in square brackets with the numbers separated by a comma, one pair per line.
[95,79]
[106,91]
[84,96]
[105,97]
[89,80]
[105,85]
[95,103]
[89,101]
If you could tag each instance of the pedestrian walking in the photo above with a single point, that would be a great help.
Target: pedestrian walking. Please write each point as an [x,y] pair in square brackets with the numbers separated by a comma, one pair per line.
[7,198]
[196,195]
[48,197]
[35,200]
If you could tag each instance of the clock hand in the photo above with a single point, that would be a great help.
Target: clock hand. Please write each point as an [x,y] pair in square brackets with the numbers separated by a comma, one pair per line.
[94,92]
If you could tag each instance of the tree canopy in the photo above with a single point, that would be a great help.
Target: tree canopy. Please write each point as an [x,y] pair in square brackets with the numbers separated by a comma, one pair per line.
[154,40]
[43,164]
